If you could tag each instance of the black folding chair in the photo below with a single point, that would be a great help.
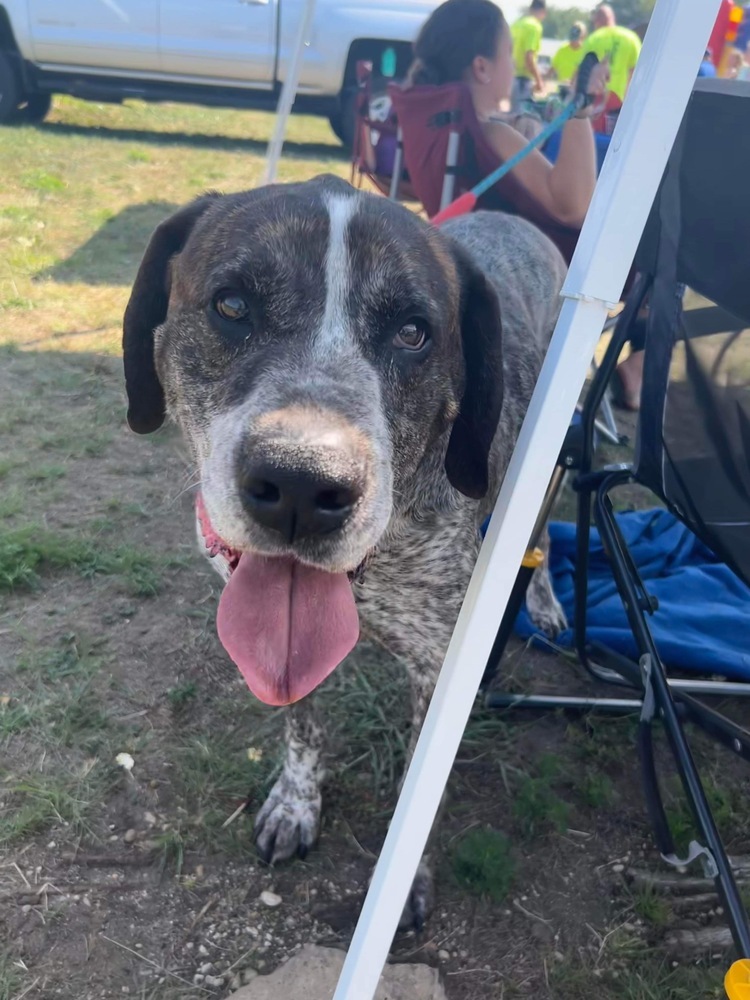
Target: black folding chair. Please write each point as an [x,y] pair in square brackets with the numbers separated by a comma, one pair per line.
[693,453]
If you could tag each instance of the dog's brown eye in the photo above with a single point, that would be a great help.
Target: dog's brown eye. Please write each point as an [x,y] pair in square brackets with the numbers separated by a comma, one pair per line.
[231,307]
[411,337]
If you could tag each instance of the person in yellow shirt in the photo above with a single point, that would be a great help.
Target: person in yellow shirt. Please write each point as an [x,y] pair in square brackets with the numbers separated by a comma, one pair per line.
[567,59]
[619,46]
[526,36]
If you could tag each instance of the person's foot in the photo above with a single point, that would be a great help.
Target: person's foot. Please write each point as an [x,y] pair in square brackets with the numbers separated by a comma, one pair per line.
[628,382]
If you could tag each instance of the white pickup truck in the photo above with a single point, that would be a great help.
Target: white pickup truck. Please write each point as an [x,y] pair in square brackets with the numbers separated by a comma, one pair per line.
[229,53]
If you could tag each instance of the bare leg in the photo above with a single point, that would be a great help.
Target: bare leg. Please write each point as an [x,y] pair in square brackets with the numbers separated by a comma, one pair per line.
[630,373]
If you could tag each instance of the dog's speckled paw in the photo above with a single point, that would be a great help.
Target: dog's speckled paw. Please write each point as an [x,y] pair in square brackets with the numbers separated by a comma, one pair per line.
[543,607]
[287,824]
[550,619]
[420,901]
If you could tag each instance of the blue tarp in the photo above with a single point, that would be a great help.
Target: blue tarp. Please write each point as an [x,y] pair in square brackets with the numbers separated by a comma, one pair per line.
[703,620]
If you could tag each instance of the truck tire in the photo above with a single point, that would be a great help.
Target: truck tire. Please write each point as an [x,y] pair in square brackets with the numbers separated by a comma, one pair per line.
[334,120]
[34,108]
[342,122]
[10,89]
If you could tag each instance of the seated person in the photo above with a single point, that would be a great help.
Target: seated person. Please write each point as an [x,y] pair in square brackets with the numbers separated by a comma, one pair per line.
[707,68]
[737,67]
[469,41]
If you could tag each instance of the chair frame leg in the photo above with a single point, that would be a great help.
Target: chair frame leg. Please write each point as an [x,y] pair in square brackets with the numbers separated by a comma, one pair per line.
[449,177]
[398,166]
[657,689]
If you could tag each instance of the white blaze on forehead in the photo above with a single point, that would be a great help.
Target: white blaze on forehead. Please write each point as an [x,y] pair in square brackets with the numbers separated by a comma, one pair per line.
[332,333]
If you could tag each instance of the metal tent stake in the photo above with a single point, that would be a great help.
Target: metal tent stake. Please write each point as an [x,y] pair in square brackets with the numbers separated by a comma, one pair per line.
[288,92]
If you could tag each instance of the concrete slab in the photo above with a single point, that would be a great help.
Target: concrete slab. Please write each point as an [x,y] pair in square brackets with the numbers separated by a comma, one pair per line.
[313,972]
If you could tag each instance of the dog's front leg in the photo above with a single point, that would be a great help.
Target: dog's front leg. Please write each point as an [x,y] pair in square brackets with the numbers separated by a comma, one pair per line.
[421,895]
[289,820]
[409,600]
[544,609]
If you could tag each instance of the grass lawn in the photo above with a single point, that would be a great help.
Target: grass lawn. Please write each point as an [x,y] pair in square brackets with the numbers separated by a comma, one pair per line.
[119,881]
[82,193]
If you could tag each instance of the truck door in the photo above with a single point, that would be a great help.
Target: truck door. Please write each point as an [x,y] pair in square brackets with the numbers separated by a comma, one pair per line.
[220,40]
[116,35]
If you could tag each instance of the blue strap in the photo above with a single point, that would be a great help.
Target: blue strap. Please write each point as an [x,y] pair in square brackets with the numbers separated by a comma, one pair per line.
[539,140]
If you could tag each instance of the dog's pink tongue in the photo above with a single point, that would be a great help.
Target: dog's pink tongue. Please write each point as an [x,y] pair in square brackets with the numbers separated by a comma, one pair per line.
[285,625]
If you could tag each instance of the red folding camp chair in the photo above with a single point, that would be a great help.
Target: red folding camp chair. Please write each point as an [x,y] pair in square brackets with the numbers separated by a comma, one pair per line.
[378,144]
[446,153]
[377,152]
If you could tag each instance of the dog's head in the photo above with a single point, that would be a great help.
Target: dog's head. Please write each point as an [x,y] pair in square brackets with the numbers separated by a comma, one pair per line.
[316,346]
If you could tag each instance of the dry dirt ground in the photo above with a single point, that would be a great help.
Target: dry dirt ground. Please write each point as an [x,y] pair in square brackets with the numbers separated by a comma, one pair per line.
[118,882]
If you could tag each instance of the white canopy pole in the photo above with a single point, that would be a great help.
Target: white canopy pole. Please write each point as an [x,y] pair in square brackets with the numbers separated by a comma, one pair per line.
[288,92]
[643,138]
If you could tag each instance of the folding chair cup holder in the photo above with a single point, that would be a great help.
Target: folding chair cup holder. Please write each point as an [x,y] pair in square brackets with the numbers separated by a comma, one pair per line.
[693,454]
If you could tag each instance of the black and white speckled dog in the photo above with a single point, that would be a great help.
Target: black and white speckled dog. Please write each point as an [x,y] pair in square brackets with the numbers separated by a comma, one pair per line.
[339,369]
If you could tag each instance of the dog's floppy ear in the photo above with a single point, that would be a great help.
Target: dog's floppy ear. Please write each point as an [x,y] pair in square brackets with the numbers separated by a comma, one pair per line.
[146,310]
[467,457]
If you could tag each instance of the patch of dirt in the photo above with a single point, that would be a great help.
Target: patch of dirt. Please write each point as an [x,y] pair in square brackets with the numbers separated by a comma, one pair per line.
[130,885]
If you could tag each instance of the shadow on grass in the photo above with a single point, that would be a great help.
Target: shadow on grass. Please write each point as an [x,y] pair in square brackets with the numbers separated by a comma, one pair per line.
[292,149]
[111,256]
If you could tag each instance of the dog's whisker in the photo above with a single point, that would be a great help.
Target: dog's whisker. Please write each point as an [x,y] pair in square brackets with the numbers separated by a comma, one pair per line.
[191,475]
[186,489]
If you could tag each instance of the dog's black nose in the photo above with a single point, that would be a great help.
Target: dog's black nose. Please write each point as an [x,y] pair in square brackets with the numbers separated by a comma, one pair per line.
[296,503]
